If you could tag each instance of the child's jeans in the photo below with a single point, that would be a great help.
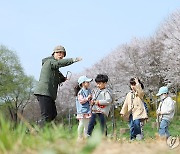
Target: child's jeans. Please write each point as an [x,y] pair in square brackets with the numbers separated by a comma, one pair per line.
[92,123]
[163,129]
[135,127]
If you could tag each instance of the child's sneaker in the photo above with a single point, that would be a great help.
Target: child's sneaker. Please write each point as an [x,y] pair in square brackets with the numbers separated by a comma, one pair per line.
[139,137]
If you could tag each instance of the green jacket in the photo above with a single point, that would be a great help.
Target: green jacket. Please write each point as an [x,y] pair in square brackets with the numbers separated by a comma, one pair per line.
[51,77]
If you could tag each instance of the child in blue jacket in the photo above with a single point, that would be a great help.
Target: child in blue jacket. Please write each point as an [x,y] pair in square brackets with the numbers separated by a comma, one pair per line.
[83,96]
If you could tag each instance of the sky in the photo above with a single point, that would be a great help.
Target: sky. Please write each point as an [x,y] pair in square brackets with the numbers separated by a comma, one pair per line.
[90,29]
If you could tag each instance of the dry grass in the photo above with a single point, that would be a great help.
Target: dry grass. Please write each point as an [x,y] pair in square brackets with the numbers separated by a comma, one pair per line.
[135,147]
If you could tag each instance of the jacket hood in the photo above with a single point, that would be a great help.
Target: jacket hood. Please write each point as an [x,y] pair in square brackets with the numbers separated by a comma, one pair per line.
[45,59]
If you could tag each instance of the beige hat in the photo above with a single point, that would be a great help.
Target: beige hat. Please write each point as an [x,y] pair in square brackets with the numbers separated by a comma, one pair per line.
[59,48]
[173,142]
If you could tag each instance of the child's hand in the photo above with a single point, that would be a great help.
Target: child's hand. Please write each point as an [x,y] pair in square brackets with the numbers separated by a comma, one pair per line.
[136,80]
[89,97]
[92,102]
[96,102]
[122,115]
[158,112]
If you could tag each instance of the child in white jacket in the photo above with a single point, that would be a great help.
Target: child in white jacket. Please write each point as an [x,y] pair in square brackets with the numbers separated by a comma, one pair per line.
[165,111]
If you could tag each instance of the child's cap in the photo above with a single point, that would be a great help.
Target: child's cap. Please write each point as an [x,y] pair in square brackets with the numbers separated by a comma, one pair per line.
[84,79]
[162,90]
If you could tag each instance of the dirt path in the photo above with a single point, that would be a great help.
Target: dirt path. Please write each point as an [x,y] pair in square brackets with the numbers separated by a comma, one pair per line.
[134,147]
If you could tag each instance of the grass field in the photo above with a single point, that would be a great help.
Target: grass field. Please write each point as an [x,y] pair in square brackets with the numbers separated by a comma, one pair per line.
[56,139]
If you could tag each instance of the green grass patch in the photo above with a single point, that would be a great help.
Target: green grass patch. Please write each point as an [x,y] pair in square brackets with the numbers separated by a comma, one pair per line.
[59,139]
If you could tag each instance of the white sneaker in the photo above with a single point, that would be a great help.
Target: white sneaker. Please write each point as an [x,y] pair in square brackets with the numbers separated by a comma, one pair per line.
[139,137]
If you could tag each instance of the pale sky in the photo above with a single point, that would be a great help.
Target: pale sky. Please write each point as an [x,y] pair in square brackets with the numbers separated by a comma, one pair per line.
[90,29]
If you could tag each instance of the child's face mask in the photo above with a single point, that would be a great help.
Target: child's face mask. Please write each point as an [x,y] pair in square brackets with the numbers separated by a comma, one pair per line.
[162,97]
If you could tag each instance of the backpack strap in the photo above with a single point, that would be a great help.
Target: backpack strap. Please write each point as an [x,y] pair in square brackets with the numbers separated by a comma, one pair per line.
[132,98]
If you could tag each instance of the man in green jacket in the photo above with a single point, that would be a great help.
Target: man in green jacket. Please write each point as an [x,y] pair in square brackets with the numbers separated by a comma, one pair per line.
[50,78]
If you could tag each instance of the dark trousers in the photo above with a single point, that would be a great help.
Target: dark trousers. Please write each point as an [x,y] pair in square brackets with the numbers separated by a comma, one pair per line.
[135,127]
[48,109]
[92,123]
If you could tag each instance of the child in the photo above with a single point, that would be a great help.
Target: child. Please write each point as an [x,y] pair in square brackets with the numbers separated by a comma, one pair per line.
[134,110]
[165,111]
[83,94]
[101,103]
